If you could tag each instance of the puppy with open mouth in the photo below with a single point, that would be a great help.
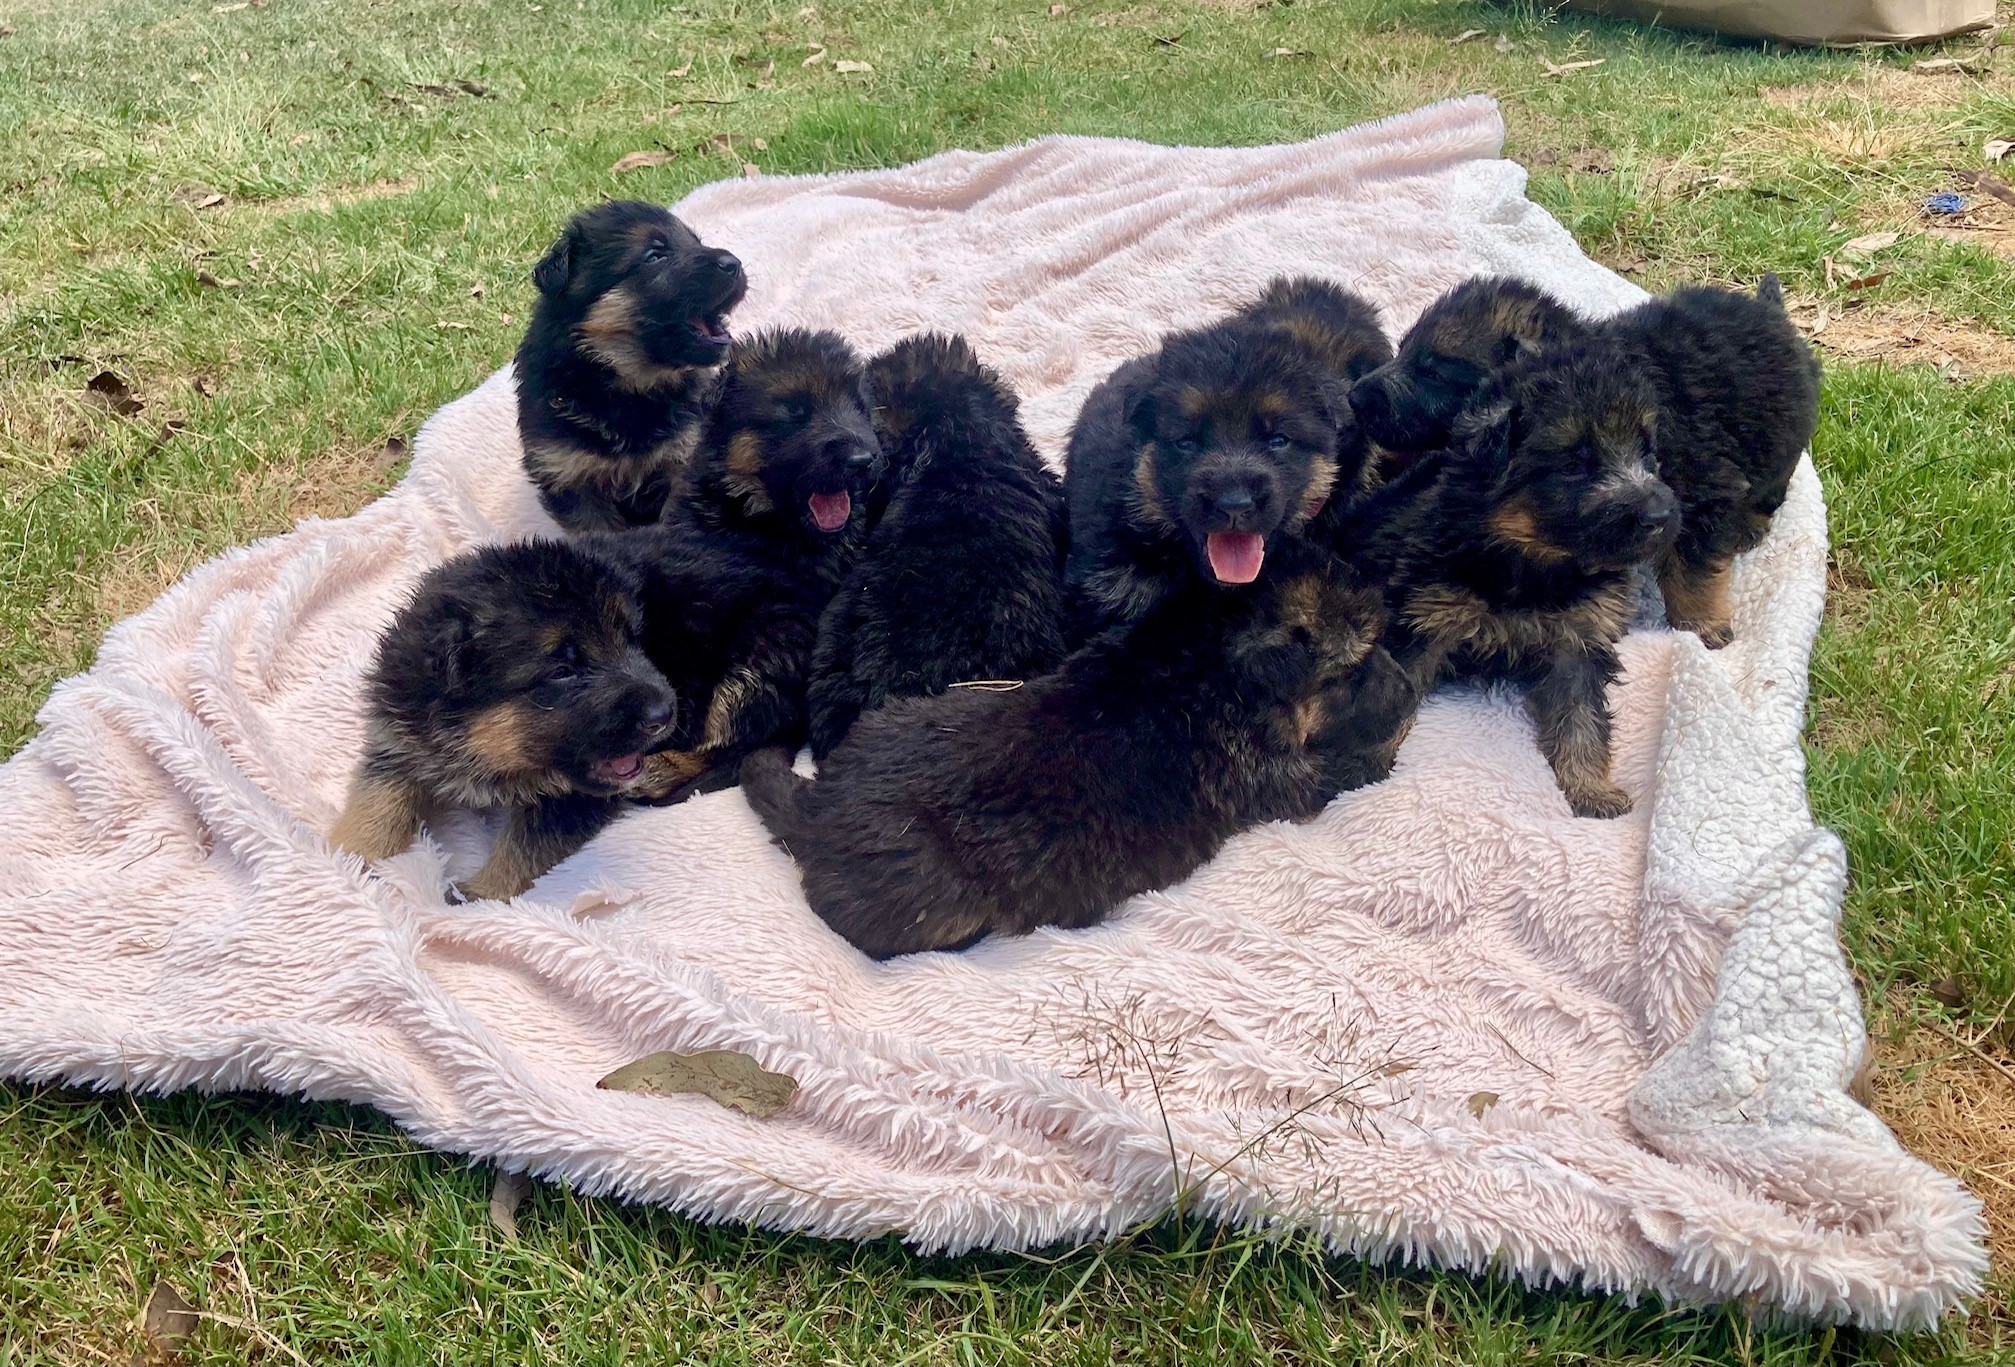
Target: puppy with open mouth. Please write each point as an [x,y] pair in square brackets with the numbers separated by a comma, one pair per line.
[620,366]
[737,575]
[513,680]
[1192,462]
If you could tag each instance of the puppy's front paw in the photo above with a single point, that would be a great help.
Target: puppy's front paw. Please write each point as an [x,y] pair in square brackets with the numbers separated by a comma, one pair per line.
[1714,635]
[1601,802]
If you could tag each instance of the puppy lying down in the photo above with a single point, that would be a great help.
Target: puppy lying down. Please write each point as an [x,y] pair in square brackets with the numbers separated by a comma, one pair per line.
[939,820]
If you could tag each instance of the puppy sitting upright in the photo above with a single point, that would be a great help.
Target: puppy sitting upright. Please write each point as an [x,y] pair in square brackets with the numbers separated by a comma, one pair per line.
[619,367]
[1512,554]
[960,578]
[1191,462]
[1409,405]
[941,819]
[737,575]
[1738,402]
[512,680]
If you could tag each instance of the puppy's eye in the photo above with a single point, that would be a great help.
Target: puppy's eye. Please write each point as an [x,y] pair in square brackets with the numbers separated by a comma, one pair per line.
[1276,442]
[562,673]
[1189,446]
[657,251]
[798,410]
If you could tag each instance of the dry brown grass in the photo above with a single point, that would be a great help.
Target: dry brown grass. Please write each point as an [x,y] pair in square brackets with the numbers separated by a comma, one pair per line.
[1905,334]
[1955,1108]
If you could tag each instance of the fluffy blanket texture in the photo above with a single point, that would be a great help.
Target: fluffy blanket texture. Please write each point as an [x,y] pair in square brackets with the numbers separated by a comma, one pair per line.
[1446,1020]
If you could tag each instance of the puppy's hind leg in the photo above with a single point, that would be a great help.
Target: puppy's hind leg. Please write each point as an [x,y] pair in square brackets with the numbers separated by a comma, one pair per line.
[535,839]
[379,817]
[1571,708]
[1696,599]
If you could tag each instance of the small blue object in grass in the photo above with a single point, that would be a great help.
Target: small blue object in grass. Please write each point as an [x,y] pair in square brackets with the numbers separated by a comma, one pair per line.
[1945,202]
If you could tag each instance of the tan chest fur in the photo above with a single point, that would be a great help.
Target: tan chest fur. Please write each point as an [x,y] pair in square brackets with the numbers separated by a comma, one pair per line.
[1456,619]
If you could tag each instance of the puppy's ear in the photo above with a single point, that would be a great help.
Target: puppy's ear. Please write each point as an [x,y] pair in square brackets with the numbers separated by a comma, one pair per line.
[1139,411]
[1768,291]
[448,642]
[1484,431]
[556,268]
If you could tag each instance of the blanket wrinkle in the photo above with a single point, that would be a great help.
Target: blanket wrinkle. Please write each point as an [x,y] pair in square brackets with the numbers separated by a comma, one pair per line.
[1445,1021]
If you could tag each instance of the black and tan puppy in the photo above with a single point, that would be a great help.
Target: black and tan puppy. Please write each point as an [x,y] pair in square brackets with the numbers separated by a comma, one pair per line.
[938,820]
[737,575]
[1512,554]
[1409,405]
[959,580]
[1738,401]
[1189,463]
[619,368]
[513,680]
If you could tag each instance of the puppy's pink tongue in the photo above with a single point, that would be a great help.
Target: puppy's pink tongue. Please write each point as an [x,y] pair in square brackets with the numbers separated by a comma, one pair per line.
[831,511]
[1235,556]
[621,769]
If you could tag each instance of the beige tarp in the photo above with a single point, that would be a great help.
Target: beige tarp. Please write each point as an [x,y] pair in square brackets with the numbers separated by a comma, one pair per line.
[1808,21]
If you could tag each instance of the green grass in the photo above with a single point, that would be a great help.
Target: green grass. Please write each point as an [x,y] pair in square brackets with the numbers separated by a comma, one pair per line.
[362,214]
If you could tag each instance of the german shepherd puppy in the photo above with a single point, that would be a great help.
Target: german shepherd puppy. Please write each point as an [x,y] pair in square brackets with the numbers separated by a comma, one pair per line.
[513,680]
[1188,463]
[1738,401]
[960,579]
[737,576]
[1512,554]
[1736,387]
[939,820]
[1409,405]
[620,366]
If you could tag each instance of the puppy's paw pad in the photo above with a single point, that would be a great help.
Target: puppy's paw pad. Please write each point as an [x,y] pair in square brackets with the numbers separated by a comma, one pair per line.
[1600,803]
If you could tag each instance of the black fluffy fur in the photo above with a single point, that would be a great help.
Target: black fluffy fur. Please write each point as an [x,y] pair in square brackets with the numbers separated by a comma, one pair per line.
[618,371]
[960,578]
[513,680]
[1738,401]
[1238,430]
[1511,555]
[938,820]
[1409,405]
[736,577]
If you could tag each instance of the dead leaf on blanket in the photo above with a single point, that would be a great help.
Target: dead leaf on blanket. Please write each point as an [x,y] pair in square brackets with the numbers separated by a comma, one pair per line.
[1479,1102]
[167,1322]
[637,161]
[506,1196]
[114,393]
[728,1076]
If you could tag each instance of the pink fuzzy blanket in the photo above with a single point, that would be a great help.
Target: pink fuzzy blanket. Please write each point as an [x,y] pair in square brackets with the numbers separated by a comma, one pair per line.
[1446,1020]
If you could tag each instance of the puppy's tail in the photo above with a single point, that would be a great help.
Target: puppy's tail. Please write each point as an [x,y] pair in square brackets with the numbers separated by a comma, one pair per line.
[1768,291]
[776,791]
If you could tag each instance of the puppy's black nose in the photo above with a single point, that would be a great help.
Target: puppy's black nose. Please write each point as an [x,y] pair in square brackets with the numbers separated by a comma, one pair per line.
[657,717]
[860,458]
[727,263]
[1659,511]
[1235,500]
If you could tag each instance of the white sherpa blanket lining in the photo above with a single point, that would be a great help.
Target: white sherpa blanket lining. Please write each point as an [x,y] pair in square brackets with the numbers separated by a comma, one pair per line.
[1606,1053]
